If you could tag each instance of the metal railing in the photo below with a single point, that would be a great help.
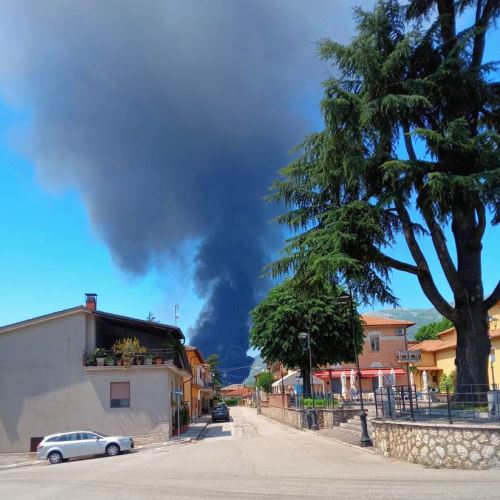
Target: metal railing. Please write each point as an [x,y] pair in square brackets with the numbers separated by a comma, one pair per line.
[107,357]
[473,404]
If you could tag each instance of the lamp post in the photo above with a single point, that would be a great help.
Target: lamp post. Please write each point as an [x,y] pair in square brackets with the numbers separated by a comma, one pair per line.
[305,340]
[346,298]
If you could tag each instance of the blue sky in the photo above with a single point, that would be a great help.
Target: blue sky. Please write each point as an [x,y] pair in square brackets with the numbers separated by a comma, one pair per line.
[52,251]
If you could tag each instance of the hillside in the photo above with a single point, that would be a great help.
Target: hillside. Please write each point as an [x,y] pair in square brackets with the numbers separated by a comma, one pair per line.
[419,316]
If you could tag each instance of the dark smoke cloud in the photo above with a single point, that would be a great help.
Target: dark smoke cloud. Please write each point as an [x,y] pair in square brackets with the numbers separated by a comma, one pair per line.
[170,118]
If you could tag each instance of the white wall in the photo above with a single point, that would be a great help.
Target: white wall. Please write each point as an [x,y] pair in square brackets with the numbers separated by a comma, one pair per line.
[44,387]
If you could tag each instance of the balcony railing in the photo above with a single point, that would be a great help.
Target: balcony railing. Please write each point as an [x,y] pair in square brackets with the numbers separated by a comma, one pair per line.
[153,357]
[409,356]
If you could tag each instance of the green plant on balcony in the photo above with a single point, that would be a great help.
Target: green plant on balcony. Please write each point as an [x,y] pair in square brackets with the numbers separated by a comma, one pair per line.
[127,349]
[100,356]
[110,360]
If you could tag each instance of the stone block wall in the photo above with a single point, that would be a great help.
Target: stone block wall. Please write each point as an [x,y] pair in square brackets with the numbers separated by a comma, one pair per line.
[456,446]
[287,416]
[297,418]
[333,418]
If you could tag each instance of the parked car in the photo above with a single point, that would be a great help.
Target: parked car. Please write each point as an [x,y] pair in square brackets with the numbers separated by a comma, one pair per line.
[57,448]
[220,412]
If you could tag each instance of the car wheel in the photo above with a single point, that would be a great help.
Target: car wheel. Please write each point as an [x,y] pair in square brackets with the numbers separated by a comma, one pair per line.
[55,457]
[112,450]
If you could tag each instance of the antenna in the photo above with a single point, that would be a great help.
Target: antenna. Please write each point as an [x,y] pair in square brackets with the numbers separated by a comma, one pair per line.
[176,316]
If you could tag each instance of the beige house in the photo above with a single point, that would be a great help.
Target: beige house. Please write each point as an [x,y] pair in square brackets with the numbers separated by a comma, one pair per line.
[48,384]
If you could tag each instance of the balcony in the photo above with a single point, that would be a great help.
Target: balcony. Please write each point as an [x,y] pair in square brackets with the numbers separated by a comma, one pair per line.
[409,356]
[102,359]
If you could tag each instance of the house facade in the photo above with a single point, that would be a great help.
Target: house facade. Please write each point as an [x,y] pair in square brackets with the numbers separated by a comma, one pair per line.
[49,382]
[198,390]
[384,340]
[438,356]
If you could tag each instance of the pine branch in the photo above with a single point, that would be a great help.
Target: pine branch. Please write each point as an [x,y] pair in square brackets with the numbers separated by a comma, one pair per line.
[480,226]
[409,144]
[424,276]
[481,24]
[439,242]
[399,265]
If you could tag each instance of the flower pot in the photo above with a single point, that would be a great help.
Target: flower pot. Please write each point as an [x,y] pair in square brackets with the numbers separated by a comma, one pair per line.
[119,362]
[158,361]
[110,361]
[100,361]
[138,361]
[148,361]
[127,361]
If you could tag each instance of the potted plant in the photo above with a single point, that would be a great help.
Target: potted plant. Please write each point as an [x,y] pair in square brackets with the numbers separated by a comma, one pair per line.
[126,349]
[158,360]
[90,359]
[148,359]
[100,356]
[110,360]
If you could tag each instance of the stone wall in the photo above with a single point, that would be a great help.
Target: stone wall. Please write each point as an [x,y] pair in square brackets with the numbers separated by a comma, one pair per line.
[333,418]
[456,446]
[297,418]
[288,416]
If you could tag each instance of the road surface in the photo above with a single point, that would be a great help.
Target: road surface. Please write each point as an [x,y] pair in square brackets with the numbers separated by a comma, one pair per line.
[250,457]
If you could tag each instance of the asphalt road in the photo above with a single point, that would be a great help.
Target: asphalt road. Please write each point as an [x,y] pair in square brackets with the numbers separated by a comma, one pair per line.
[250,457]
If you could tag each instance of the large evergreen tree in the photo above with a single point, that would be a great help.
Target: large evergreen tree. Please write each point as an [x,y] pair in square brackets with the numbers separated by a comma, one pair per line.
[287,311]
[410,147]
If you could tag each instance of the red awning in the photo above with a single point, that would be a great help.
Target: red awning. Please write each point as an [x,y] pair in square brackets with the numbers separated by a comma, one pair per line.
[369,373]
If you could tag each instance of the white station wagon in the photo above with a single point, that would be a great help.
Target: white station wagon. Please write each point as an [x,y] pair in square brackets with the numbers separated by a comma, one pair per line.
[60,447]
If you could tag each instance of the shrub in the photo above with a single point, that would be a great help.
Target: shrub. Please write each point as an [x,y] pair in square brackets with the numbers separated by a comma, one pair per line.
[232,401]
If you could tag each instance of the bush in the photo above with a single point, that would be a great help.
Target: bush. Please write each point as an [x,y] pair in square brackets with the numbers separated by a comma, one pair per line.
[318,403]
[447,381]
[232,401]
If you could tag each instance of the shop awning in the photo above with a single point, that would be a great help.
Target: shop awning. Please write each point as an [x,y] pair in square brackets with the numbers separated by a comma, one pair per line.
[368,373]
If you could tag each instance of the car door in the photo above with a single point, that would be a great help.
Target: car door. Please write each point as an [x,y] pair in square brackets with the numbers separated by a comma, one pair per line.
[68,443]
[90,444]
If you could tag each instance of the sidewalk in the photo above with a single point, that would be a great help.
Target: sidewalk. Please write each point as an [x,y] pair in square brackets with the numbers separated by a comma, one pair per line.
[9,460]
[194,431]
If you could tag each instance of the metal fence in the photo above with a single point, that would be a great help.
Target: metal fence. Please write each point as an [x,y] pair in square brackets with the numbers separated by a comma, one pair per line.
[474,404]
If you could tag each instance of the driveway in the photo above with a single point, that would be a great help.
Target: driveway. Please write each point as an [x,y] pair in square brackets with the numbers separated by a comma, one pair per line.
[247,458]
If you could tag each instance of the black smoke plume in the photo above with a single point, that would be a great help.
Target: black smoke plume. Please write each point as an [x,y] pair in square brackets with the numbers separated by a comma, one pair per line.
[171,118]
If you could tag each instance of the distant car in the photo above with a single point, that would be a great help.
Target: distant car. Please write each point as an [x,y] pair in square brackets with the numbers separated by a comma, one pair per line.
[220,412]
[58,448]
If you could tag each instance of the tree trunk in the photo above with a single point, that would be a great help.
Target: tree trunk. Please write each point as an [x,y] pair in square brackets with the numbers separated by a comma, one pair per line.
[306,380]
[473,343]
[473,347]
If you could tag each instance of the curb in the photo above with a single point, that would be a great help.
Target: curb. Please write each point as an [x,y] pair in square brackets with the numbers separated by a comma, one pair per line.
[20,464]
[331,438]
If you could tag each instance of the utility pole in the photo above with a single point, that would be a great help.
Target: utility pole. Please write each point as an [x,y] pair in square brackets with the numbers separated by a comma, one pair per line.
[176,316]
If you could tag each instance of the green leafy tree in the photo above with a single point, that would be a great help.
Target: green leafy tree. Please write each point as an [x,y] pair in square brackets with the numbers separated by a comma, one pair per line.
[409,151]
[265,381]
[430,330]
[287,311]
[213,363]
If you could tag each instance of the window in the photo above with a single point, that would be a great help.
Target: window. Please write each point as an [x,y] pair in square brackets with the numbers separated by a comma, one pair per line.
[375,343]
[120,394]
[87,435]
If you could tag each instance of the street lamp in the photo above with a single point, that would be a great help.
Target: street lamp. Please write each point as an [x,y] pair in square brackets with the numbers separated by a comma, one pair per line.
[346,298]
[305,340]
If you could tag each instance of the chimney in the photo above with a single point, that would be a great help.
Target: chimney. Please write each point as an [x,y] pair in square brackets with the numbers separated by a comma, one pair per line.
[91,301]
